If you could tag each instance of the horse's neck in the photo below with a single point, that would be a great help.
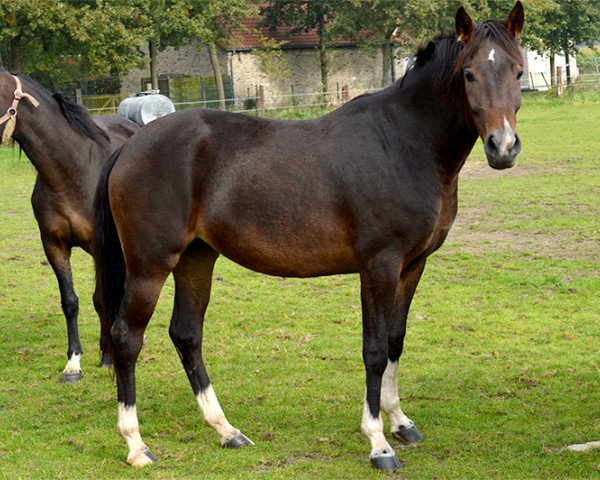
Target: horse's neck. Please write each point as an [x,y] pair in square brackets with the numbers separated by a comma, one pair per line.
[62,157]
[446,131]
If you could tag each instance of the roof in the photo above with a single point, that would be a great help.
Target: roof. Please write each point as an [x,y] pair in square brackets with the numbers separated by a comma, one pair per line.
[248,39]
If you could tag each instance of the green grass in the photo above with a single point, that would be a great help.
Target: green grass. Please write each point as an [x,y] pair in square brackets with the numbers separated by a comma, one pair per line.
[501,367]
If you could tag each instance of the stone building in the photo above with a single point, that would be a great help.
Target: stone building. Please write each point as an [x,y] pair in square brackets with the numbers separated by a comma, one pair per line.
[296,81]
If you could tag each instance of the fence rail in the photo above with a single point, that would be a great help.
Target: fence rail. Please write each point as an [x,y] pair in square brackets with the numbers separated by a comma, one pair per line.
[265,100]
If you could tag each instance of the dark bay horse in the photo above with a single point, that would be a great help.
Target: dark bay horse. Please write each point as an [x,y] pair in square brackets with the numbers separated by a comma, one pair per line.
[68,148]
[370,188]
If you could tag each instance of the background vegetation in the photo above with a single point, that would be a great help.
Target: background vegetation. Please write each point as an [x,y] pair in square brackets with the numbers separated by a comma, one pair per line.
[58,42]
[500,372]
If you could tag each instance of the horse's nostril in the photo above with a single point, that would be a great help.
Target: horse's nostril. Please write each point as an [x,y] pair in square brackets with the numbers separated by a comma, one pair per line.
[516,147]
[490,144]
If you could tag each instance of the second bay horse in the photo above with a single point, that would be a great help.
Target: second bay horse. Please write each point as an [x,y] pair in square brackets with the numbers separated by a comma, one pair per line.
[68,148]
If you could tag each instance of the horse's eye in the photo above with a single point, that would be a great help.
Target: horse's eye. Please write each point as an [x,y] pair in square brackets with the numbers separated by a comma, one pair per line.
[519,74]
[469,76]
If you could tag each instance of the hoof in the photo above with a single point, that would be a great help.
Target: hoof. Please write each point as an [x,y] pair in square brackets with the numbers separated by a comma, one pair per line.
[105,361]
[71,377]
[238,441]
[408,435]
[386,461]
[140,459]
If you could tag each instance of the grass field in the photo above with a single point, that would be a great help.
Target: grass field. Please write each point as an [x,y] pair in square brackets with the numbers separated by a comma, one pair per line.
[501,366]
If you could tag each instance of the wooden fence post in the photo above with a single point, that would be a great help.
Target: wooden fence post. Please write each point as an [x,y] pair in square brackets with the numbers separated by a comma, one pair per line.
[260,102]
[559,81]
[345,94]
[78,96]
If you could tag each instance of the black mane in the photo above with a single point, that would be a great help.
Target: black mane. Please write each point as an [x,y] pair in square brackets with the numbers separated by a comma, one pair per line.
[79,118]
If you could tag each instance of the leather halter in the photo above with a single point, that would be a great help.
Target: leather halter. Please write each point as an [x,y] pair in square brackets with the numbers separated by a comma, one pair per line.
[17,95]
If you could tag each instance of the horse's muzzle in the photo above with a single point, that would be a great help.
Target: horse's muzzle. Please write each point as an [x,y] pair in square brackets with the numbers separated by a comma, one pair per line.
[502,148]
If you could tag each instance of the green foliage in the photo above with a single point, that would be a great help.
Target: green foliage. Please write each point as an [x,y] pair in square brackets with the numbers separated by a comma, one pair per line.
[57,41]
[500,369]
[271,60]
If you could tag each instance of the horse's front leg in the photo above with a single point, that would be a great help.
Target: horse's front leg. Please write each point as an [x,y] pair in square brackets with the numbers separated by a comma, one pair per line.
[379,281]
[401,426]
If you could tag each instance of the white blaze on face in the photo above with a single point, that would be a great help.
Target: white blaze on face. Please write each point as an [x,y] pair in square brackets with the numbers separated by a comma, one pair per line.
[492,55]
[508,138]
[213,415]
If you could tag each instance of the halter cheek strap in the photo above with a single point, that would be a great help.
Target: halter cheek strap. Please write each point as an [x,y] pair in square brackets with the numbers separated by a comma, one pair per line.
[18,95]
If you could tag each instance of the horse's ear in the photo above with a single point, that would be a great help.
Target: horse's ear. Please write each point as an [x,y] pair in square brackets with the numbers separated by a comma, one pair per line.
[514,22]
[464,25]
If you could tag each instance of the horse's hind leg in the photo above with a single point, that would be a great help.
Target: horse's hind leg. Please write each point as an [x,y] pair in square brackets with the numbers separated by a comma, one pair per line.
[193,276]
[58,255]
[127,334]
[402,427]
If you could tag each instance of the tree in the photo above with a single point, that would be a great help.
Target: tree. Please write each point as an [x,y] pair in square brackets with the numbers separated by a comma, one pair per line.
[59,41]
[571,23]
[375,24]
[306,16]
[211,22]
[162,23]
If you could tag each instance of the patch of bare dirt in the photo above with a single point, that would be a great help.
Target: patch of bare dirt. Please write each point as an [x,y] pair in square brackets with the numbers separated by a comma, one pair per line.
[475,171]
[551,244]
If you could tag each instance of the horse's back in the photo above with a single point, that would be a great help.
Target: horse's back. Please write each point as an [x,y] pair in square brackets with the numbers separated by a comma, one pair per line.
[118,128]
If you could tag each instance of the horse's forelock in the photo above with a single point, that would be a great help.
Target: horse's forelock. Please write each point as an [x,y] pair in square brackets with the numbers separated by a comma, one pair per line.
[489,30]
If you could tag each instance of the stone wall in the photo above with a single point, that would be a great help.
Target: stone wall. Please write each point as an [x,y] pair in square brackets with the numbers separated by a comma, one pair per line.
[190,60]
[351,67]
[357,69]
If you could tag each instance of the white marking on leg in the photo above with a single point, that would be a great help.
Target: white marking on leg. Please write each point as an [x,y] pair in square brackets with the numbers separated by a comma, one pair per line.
[390,402]
[491,56]
[373,429]
[74,364]
[213,415]
[129,429]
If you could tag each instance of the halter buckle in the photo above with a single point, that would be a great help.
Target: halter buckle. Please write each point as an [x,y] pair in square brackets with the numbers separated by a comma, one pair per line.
[11,112]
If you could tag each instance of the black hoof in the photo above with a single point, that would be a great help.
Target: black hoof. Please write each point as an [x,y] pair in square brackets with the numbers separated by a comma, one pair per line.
[105,361]
[408,435]
[150,455]
[386,461]
[71,377]
[239,441]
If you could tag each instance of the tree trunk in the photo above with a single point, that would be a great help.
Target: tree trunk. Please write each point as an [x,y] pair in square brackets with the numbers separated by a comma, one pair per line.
[324,60]
[152,48]
[323,55]
[214,60]
[386,51]
[16,57]
[566,51]
[552,70]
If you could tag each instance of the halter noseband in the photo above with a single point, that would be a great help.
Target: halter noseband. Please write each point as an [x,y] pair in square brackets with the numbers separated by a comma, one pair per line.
[17,95]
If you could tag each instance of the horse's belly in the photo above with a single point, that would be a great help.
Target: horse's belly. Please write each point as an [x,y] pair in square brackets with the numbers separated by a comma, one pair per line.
[287,251]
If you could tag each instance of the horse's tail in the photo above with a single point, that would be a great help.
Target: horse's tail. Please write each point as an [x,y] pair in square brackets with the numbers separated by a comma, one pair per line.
[108,258]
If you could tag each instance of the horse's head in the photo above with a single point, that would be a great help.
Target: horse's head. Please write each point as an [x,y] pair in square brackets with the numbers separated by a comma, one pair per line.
[491,66]
[11,93]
